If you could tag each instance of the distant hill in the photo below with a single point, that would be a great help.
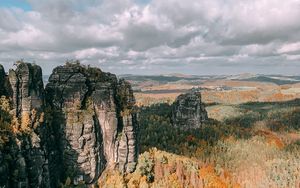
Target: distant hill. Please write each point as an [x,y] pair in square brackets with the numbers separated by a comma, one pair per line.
[175,77]
[159,78]
[279,80]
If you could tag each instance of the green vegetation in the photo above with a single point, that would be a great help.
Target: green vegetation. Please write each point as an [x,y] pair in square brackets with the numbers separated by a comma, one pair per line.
[259,147]
[146,165]
[156,131]
[5,121]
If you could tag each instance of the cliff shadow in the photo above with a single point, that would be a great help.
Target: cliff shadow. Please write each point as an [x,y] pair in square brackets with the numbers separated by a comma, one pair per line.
[76,157]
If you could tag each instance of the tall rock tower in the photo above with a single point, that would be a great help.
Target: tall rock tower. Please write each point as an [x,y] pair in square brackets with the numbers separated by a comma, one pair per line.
[82,123]
[31,164]
[188,111]
[93,120]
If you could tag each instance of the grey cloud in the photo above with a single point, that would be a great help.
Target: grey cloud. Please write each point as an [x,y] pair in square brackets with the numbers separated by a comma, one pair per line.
[158,36]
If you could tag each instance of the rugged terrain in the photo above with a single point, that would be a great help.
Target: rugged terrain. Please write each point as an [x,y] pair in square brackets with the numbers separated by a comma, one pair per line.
[188,111]
[251,137]
[81,130]
[82,123]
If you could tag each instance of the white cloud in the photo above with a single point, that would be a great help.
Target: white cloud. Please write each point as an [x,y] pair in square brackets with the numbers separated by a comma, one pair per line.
[169,35]
[290,48]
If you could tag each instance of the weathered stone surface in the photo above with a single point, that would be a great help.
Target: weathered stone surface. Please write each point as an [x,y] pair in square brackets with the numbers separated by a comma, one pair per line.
[27,86]
[28,162]
[188,111]
[127,152]
[83,122]
[2,81]
[4,84]
[28,98]
[89,106]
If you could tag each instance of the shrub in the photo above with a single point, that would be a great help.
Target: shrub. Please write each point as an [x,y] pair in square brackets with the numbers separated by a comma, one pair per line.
[146,166]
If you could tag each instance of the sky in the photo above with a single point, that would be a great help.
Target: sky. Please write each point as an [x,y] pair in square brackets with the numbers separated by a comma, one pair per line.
[197,37]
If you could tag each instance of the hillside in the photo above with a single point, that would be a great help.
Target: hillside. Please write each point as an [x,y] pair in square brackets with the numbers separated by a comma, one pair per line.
[256,147]
[234,89]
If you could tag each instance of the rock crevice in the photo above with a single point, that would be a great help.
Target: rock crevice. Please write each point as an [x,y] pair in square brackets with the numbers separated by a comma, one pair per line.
[82,123]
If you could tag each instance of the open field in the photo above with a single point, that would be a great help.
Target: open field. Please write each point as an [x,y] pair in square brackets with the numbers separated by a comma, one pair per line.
[224,90]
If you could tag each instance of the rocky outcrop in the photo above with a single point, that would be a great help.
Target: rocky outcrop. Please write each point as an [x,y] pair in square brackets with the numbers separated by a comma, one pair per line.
[94,135]
[4,83]
[28,89]
[82,123]
[188,111]
[28,165]
[76,124]
[127,150]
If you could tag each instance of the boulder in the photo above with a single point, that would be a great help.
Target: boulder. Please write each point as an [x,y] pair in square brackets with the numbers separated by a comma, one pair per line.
[28,166]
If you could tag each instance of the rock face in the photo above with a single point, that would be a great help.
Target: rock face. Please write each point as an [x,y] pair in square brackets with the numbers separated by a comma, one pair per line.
[82,123]
[28,166]
[126,145]
[28,89]
[94,121]
[188,111]
[5,88]
[2,81]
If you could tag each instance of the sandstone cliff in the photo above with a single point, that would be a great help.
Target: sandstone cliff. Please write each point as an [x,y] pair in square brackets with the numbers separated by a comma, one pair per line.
[5,89]
[82,123]
[188,111]
[28,165]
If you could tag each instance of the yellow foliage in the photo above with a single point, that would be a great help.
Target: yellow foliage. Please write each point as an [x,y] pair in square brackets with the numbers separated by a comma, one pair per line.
[210,178]
[42,117]
[126,112]
[111,179]
[4,104]
[26,121]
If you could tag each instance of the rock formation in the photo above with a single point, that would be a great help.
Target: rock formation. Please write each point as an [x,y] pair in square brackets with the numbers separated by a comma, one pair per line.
[28,166]
[4,83]
[82,123]
[188,111]
[28,91]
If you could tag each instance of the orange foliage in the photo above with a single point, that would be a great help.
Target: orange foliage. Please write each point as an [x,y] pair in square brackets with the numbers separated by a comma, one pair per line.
[230,97]
[272,138]
[25,121]
[210,177]
[190,138]
[212,180]
[257,92]
[279,97]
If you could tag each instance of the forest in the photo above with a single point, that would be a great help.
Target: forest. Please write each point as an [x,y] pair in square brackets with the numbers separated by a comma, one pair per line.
[258,148]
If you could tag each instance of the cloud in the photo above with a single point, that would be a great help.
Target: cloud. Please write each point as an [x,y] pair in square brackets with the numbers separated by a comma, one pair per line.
[290,48]
[156,36]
